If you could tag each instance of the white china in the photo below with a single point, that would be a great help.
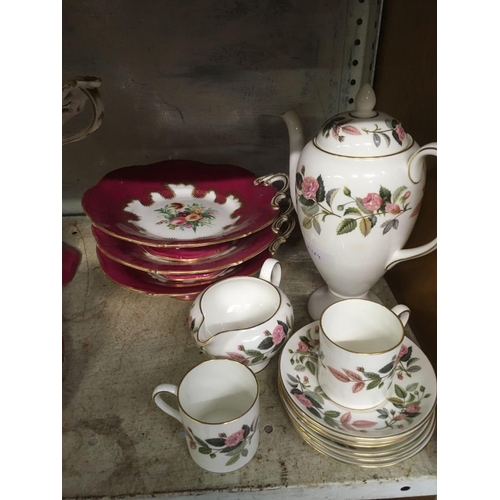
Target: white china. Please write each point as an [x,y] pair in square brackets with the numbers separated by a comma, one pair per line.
[359,353]
[332,451]
[246,319]
[410,401]
[219,409]
[357,188]
[385,452]
[353,448]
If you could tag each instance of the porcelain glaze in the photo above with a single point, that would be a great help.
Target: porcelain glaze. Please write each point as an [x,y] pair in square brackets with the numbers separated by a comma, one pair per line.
[409,403]
[360,348]
[184,203]
[219,411]
[357,188]
[246,319]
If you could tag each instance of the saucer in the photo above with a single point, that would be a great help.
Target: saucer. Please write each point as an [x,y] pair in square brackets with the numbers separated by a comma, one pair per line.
[392,449]
[411,399]
[375,462]
[183,203]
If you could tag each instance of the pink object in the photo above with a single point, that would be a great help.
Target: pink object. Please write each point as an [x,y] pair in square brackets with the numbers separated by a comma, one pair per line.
[152,284]
[183,203]
[70,260]
[133,255]
[188,254]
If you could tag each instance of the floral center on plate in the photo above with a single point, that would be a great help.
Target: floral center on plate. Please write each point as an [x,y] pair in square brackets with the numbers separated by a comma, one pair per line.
[184,216]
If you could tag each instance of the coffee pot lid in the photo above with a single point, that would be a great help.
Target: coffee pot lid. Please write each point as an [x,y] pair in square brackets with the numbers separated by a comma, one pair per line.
[363,132]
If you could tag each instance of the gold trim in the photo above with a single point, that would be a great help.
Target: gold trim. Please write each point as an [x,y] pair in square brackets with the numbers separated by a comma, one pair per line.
[365,157]
[322,331]
[179,244]
[372,451]
[203,314]
[257,391]
[329,431]
[279,196]
[192,260]
[358,441]
[414,155]
[166,273]
[361,462]
[392,264]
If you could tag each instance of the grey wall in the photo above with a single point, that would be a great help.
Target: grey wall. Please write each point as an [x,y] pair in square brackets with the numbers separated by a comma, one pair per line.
[208,79]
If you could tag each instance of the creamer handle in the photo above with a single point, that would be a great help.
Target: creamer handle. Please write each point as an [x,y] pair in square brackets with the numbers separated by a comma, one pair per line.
[271,271]
[415,167]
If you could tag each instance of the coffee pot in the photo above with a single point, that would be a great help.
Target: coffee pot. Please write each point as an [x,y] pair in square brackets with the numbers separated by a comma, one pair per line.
[357,188]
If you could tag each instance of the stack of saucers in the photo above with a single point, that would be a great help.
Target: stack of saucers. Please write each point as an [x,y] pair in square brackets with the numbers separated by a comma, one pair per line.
[378,437]
[177,226]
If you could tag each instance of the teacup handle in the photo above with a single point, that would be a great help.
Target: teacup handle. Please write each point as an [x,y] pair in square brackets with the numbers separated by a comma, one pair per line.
[171,389]
[271,271]
[402,312]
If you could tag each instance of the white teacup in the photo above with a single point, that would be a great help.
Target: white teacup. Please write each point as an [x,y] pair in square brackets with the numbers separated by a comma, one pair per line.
[219,410]
[360,344]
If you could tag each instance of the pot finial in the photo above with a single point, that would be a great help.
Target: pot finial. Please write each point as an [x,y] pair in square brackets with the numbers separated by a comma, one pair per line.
[365,102]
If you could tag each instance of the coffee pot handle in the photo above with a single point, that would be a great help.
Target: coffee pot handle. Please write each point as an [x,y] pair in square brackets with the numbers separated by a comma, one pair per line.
[271,271]
[172,389]
[415,168]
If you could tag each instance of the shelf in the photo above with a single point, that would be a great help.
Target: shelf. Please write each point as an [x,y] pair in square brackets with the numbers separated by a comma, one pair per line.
[119,344]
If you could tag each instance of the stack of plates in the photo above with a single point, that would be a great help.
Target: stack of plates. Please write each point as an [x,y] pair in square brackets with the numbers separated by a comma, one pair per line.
[378,437]
[175,227]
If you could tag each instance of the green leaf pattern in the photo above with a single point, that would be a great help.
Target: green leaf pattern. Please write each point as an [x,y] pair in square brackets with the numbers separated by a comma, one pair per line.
[272,342]
[401,410]
[233,446]
[354,212]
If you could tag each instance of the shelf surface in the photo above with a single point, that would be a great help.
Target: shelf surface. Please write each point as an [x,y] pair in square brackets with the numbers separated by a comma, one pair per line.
[120,344]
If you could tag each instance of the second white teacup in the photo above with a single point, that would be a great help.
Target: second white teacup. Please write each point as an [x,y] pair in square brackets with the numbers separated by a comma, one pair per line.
[360,344]
[219,410]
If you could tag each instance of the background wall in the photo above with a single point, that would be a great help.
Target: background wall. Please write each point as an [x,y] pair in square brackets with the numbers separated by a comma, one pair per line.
[208,79]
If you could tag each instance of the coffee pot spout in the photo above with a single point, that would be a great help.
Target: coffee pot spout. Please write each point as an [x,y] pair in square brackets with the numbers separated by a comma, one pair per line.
[296,137]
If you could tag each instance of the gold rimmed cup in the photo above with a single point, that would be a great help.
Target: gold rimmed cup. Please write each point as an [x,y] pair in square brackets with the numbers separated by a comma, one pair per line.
[360,342]
[219,410]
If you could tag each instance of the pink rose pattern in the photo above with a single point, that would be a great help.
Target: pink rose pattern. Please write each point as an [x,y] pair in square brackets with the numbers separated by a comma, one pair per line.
[273,341]
[355,211]
[309,188]
[405,402]
[338,127]
[233,446]
[305,357]
[373,201]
